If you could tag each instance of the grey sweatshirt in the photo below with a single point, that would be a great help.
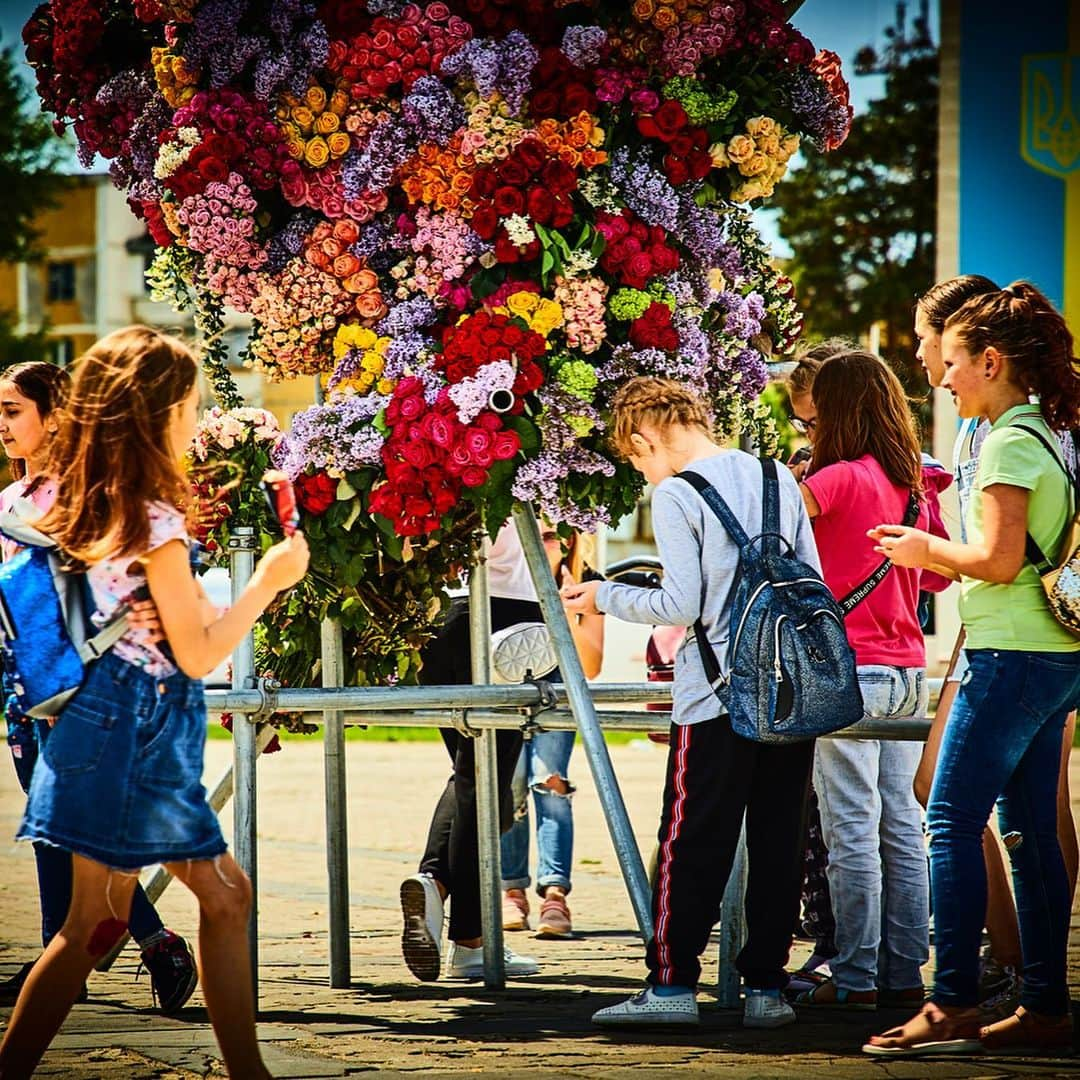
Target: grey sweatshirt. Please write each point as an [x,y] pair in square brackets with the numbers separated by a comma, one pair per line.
[700,565]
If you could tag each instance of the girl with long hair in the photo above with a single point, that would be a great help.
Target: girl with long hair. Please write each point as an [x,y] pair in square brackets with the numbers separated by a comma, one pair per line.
[867,467]
[118,782]
[1002,740]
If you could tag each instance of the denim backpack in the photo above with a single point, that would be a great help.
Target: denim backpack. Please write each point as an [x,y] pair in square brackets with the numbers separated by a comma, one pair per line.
[46,635]
[792,669]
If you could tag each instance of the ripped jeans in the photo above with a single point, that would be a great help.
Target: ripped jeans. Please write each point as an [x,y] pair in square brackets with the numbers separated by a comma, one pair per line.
[544,755]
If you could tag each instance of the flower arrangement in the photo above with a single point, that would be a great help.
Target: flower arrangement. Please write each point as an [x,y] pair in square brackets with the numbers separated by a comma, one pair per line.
[473,220]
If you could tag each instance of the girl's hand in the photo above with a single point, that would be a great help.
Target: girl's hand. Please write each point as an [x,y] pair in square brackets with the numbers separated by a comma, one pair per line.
[902,545]
[143,615]
[285,563]
[579,598]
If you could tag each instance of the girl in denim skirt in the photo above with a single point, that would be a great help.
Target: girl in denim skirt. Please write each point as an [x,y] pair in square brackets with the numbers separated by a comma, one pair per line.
[1002,739]
[30,394]
[118,781]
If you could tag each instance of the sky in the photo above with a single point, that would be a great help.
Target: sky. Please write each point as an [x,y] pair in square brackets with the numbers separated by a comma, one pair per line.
[843,26]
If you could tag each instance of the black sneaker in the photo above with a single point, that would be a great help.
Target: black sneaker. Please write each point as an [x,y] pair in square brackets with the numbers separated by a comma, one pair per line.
[11,988]
[173,974]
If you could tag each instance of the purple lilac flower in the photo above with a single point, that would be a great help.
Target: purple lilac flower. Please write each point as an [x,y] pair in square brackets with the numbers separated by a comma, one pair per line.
[406,317]
[432,110]
[583,45]
[338,436]
[390,8]
[372,169]
[288,241]
[471,395]
[409,354]
[496,67]
[540,481]
[645,190]
[821,116]
[704,232]
[137,91]
[744,314]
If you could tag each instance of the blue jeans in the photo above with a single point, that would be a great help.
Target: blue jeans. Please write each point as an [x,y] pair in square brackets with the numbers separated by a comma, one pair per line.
[543,756]
[53,863]
[1002,742]
[872,826]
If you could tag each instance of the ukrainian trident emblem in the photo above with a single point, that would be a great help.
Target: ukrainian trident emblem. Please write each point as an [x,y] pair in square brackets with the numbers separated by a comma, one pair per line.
[1050,132]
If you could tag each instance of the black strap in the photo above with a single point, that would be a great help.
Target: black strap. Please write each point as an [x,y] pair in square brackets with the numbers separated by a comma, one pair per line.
[1035,554]
[863,590]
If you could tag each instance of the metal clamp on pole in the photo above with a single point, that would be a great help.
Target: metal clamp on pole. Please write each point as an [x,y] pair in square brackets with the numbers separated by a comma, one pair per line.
[267,688]
[548,699]
[459,721]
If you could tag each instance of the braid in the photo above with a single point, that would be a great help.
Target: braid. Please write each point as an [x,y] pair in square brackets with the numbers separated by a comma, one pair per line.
[659,403]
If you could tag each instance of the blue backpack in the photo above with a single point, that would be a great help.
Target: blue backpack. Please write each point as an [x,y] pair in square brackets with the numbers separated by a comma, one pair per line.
[792,669]
[46,635]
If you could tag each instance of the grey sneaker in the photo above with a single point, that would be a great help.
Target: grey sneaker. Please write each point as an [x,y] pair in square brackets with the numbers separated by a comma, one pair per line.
[466,963]
[421,934]
[765,1010]
[649,1008]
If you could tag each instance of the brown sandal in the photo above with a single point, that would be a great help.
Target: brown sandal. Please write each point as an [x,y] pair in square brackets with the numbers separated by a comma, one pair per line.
[1029,1033]
[929,1031]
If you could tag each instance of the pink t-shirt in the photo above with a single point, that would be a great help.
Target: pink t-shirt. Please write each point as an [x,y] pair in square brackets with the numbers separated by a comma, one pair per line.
[112,582]
[42,496]
[854,496]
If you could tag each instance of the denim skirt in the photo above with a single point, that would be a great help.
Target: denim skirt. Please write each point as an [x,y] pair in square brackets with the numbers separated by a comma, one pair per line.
[119,780]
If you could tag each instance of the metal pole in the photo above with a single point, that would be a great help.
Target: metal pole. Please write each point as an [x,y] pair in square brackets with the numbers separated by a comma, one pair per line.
[487,780]
[581,704]
[732,928]
[337,833]
[243,543]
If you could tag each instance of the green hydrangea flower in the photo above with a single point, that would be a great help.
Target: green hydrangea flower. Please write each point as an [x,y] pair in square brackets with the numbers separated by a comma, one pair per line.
[579,425]
[577,377]
[702,107]
[629,304]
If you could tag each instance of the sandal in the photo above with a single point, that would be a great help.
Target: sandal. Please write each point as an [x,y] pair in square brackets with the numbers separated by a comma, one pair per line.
[929,1031]
[1029,1033]
[842,999]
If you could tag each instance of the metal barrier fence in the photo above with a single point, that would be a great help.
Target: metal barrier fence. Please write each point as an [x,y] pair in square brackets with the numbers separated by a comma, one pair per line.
[476,711]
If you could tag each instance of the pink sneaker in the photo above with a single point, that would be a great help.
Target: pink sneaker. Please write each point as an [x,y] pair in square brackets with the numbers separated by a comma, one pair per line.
[554,918]
[515,910]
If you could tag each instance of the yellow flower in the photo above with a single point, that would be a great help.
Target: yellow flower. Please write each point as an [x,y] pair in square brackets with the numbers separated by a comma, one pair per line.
[522,304]
[339,142]
[316,98]
[740,149]
[548,316]
[769,144]
[327,122]
[717,281]
[303,116]
[353,336]
[755,166]
[718,153]
[385,386]
[761,125]
[372,363]
[339,102]
[790,145]
[316,152]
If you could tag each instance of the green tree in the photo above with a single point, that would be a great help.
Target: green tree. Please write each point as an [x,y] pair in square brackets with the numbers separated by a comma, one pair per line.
[31,156]
[861,220]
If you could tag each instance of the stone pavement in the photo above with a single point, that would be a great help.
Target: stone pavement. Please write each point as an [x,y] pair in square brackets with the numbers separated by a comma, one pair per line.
[387,1024]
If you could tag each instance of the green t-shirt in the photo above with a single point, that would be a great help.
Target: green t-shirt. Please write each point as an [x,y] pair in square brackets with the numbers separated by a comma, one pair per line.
[1016,616]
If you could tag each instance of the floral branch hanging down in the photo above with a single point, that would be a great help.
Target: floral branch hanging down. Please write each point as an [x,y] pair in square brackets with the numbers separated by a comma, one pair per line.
[473,220]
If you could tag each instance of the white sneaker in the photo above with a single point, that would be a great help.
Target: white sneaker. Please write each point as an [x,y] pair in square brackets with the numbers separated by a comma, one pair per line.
[649,1008]
[421,934]
[763,1010]
[465,963]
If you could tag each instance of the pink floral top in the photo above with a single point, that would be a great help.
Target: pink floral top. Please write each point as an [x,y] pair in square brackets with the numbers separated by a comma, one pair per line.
[42,496]
[113,581]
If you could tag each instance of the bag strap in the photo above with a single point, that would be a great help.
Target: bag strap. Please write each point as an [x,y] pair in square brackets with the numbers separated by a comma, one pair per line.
[863,590]
[770,507]
[719,507]
[94,645]
[1034,553]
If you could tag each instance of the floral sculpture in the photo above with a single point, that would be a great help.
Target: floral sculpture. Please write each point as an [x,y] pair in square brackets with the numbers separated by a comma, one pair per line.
[473,220]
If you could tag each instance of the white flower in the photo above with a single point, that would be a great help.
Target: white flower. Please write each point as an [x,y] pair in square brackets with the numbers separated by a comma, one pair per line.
[520,230]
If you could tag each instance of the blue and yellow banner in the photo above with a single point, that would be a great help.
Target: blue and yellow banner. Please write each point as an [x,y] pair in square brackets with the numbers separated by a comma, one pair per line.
[1019,165]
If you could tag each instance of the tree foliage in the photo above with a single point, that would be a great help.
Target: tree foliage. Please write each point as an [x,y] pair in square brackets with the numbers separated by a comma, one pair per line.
[861,220]
[31,155]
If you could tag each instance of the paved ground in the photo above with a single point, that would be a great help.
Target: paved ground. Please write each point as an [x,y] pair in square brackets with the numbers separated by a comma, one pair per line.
[387,1024]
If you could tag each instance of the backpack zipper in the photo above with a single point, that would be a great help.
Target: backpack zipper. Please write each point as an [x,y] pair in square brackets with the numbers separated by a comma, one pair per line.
[778,671]
[754,595]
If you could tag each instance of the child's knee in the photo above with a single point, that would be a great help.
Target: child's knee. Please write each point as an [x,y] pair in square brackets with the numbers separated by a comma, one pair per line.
[228,895]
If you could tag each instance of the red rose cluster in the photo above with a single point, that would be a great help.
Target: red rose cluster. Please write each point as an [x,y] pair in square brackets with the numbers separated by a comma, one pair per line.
[635,251]
[496,18]
[531,182]
[316,492]
[653,330]
[399,50]
[430,455]
[237,136]
[560,88]
[687,156]
[484,338]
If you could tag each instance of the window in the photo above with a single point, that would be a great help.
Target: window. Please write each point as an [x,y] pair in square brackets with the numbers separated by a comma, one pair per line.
[61,351]
[61,281]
